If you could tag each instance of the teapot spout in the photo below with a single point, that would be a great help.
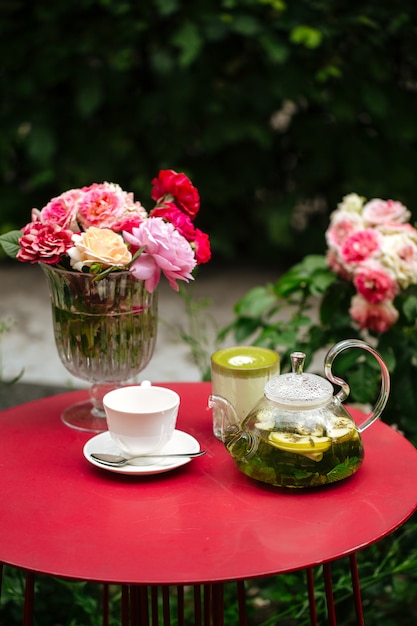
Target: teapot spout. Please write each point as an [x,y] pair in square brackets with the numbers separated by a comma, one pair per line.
[225,419]
[240,443]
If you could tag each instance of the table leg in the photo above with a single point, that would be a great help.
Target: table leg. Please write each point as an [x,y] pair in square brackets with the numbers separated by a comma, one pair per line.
[125,606]
[356,590]
[154,606]
[105,606]
[311,597]
[141,605]
[241,602]
[180,605]
[29,599]
[198,607]
[331,611]
[134,606]
[166,606]
[207,604]
[218,604]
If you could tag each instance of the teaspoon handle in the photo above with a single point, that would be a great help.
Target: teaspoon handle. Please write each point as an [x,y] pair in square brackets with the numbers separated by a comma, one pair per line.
[119,460]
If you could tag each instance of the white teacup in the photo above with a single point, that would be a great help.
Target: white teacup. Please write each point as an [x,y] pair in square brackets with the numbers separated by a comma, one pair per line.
[141,418]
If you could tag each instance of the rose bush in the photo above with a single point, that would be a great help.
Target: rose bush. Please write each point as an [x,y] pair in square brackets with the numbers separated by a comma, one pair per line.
[101,228]
[365,287]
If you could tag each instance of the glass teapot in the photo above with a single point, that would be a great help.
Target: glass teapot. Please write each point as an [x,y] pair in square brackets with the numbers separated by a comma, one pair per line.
[300,434]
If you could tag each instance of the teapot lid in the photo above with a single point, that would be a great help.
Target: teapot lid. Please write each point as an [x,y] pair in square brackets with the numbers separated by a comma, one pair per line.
[299,390]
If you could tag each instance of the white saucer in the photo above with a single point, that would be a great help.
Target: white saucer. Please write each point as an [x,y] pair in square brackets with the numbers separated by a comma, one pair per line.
[179,442]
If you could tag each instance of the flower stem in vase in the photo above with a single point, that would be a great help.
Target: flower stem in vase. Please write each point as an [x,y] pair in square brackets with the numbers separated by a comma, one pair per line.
[105,332]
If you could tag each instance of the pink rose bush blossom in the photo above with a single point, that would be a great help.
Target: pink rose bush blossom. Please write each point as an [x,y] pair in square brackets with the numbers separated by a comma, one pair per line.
[102,228]
[372,245]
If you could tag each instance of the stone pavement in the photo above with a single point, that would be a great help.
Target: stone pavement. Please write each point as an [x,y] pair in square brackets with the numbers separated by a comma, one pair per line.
[29,344]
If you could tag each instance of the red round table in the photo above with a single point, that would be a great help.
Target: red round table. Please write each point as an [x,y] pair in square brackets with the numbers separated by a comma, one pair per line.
[204,522]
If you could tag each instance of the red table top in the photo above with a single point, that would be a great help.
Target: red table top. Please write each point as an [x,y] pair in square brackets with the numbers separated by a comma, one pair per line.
[203,522]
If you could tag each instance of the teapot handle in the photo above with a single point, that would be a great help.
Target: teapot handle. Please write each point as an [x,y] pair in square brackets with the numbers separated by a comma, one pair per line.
[345,389]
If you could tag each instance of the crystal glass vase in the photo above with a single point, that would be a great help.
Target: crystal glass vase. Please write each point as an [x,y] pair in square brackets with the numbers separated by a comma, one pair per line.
[105,332]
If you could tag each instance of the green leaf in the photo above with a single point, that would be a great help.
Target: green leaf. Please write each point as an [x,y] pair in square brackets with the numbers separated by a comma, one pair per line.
[10,242]
[188,39]
[364,384]
[277,5]
[306,36]
[41,143]
[246,25]
[166,7]
[88,98]
[277,51]
[410,308]
[244,328]
[256,302]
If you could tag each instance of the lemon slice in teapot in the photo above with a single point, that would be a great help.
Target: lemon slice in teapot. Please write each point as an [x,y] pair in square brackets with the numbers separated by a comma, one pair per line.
[301,444]
[342,429]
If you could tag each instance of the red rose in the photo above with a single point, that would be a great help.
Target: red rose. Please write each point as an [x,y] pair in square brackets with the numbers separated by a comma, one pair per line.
[43,242]
[202,247]
[178,188]
[199,240]
[171,213]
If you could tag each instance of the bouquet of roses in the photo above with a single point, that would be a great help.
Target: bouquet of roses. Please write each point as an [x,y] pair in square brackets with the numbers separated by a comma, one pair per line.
[372,245]
[101,228]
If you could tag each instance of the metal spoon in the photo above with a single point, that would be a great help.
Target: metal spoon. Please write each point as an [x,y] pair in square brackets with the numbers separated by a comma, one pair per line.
[118,461]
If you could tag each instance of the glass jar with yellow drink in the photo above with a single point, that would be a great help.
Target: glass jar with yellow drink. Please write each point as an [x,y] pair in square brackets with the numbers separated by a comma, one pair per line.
[239,374]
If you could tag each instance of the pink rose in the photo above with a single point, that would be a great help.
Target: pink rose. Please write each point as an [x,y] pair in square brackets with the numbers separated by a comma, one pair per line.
[62,210]
[379,211]
[374,283]
[361,245]
[342,226]
[103,205]
[43,242]
[170,186]
[165,250]
[128,222]
[374,317]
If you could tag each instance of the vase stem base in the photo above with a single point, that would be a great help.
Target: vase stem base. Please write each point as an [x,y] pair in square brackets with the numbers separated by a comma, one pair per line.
[80,416]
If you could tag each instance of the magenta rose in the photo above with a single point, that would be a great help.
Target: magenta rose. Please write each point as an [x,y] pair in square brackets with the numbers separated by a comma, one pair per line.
[171,186]
[166,251]
[361,245]
[43,242]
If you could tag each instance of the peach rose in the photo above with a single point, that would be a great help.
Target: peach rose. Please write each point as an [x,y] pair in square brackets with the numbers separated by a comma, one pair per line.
[98,245]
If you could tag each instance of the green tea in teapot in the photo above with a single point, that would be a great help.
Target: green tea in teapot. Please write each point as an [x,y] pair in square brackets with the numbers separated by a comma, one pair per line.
[299,459]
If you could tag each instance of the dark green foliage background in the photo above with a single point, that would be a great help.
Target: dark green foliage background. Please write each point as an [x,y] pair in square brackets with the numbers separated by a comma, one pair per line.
[113,90]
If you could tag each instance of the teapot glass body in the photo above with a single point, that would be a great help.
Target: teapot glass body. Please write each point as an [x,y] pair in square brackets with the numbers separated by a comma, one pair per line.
[297,448]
